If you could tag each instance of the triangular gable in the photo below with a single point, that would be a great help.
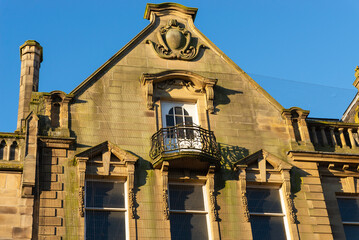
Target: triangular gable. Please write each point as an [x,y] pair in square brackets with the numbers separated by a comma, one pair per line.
[263,162]
[153,11]
[101,157]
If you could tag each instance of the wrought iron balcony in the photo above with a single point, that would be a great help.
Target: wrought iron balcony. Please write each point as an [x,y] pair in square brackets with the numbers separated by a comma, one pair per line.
[184,141]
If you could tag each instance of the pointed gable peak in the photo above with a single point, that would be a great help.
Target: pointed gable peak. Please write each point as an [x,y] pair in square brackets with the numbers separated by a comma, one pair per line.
[270,160]
[169,8]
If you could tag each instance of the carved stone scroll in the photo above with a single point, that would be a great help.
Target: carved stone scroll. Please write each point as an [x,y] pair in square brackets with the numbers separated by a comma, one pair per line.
[243,189]
[189,80]
[288,195]
[212,196]
[131,193]
[164,172]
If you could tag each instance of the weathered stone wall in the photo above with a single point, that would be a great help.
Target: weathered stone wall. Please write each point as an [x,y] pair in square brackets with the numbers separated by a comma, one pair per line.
[15,212]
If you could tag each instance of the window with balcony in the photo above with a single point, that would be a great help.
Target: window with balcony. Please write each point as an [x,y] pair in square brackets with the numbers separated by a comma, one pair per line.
[105,210]
[349,211]
[188,212]
[267,214]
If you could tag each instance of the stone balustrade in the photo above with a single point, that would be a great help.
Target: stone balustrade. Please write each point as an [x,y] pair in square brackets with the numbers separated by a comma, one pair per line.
[333,134]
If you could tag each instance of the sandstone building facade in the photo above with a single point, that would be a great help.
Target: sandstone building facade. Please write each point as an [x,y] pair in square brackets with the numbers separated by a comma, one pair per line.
[170,139]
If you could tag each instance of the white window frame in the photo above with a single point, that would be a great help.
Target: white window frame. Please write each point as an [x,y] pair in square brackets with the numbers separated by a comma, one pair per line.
[191,108]
[125,209]
[284,210]
[205,200]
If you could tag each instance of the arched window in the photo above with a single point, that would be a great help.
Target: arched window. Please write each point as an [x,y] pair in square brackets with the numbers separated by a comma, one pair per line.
[55,115]
[2,150]
[14,150]
[178,116]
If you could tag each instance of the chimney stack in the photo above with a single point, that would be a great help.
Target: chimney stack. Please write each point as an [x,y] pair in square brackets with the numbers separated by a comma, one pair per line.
[31,57]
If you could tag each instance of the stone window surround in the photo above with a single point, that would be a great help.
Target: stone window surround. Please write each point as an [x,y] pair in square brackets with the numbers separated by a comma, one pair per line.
[209,198]
[125,172]
[281,172]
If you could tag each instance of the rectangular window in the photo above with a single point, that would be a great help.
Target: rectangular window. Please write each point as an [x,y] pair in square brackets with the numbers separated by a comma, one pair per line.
[266,211]
[188,212]
[105,210]
[349,211]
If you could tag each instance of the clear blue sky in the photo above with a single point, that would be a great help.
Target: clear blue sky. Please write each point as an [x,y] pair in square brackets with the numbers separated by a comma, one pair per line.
[302,52]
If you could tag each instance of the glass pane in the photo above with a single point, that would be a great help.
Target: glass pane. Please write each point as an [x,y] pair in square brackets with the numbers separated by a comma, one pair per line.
[351,231]
[188,120]
[186,197]
[178,110]
[264,200]
[171,111]
[105,194]
[188,226]
[349,209]
[267,227]
[185,112]
[179,120]
[170,121]
[105,225]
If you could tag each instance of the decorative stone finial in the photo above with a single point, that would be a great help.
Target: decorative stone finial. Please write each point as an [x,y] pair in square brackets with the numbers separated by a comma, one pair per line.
[356,74]
[174,8]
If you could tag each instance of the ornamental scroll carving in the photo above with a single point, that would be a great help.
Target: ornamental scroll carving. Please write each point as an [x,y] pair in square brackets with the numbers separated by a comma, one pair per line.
[175,42]
[167,80]
[243,189]
[164,172]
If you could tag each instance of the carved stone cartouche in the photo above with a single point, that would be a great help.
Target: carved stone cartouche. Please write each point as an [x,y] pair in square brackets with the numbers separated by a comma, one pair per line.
[175,42]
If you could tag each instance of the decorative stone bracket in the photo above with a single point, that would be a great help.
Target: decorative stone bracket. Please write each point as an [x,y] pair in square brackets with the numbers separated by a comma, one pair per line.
[211,191]
[190,80]
[164,171]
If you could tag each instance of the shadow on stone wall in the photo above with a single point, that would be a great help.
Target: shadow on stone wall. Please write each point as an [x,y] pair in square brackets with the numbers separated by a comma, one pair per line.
[221,96]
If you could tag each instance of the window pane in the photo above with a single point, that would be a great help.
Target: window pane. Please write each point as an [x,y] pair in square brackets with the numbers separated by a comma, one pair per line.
[351,231]
[188,120]
[179,120]
[178,110]
[105,194]
[264,200]
[349,209]
[169,121]
[267,227]
[188,226]
[186,197]
[105,225]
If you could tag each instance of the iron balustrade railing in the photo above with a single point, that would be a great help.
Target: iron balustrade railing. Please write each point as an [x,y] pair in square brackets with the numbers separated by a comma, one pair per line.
[184,139]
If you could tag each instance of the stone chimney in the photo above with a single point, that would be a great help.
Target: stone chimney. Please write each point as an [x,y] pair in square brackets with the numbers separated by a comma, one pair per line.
[31,57]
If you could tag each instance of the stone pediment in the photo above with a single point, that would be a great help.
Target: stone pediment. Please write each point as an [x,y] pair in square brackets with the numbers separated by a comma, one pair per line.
[263,160]
[105,159]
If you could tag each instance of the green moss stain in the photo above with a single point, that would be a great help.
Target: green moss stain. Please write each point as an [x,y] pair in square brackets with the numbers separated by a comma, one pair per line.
[71,204]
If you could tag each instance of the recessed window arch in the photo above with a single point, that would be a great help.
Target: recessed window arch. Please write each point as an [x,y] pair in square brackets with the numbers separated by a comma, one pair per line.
[2,149]
[14,151]
[178,116]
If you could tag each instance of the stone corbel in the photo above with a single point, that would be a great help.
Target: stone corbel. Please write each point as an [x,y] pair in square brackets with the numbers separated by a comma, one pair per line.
[164,173]
[148,84]
[82,173]
[288,195]
[131,192]
[210,97]
[212,196]
[243,189]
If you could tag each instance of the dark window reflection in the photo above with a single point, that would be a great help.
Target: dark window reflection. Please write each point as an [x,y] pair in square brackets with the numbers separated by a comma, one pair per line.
[264,201]
[105,225]
[351,231]
[186,197]
[105,194]
[349,209]
[267,227]
[188,226]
